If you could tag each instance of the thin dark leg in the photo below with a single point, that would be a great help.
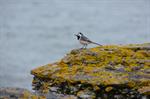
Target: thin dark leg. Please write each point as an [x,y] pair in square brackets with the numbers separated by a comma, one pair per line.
[85,46]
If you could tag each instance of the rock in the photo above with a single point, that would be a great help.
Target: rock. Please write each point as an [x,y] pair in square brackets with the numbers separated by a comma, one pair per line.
[86,94]
[109,71]
[108,89]
[144,90]
[18,93]
[68,97]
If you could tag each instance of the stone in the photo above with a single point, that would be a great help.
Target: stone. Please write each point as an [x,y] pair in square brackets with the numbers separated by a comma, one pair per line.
[86,94]
[100,72]
[18,93]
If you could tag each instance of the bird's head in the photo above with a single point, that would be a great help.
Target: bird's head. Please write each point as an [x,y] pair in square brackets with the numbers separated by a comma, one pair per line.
[78,35]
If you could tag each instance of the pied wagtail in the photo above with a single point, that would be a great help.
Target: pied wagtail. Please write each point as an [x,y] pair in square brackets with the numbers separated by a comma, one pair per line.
[84,40]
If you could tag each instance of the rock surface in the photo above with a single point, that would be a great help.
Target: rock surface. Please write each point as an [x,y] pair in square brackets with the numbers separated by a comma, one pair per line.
[18,93]
[105,72]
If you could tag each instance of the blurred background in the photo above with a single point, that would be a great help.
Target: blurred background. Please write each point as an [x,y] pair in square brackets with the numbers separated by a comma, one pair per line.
[38,32]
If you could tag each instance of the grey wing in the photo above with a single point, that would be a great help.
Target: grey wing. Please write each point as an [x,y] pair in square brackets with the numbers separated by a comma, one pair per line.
[86,39]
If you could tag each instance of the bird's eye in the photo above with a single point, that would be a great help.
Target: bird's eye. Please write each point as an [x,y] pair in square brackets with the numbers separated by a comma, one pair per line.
[80,33]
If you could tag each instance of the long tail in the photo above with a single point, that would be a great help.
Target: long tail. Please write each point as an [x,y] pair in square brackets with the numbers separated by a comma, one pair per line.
[96,43]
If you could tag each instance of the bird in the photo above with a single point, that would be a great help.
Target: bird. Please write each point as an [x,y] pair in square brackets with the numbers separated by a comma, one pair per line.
[84,40]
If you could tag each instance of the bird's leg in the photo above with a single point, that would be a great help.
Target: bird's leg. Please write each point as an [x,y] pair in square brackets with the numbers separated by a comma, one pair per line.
[83,47]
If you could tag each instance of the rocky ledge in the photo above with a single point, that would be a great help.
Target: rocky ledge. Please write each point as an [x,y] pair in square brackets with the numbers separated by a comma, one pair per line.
[18,93]
[104,72]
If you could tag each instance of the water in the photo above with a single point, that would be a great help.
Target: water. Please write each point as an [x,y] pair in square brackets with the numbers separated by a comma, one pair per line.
[37,32]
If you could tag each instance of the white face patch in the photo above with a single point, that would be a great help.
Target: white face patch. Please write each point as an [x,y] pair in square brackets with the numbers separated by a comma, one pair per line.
[78,37]
[79,34]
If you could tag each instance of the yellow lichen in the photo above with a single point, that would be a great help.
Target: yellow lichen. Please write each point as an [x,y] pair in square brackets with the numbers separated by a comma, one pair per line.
[105,65]
[108,89]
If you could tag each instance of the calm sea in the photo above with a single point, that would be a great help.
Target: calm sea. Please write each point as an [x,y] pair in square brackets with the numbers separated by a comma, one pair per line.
[37,32]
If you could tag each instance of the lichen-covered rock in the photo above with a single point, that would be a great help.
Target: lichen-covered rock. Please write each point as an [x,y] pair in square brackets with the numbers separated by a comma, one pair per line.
[109,71]
[18,93]
[86,94]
